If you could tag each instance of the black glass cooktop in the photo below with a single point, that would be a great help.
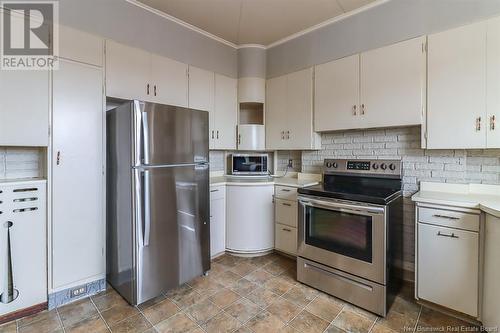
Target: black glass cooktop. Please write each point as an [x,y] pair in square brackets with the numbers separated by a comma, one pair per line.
[364,189]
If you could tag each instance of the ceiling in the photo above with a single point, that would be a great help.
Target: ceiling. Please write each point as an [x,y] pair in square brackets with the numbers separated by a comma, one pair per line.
[254,21]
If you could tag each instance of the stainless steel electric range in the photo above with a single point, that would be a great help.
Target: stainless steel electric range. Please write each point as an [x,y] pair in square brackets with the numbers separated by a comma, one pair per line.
[345,236]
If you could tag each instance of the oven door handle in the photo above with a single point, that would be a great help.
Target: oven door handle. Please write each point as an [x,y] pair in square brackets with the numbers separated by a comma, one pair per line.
[340,206]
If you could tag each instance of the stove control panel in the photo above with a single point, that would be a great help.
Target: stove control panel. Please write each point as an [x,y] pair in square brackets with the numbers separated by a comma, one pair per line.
[374,167]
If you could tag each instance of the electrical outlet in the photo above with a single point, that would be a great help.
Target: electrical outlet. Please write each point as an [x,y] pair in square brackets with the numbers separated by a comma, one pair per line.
[78,291]
[290,163]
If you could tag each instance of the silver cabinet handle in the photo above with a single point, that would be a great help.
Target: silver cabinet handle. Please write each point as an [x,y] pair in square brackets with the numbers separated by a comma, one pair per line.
[288,135]
[492,123]
[286,204]
[58,158]
[147,89]
[155,89]
[214,190]
[354,109]
[446,217]
[286,229]
[282,135]
[239,139]
[212,134]
[217,134]
[447,235]
[478,124]
[362,109]
[285,190]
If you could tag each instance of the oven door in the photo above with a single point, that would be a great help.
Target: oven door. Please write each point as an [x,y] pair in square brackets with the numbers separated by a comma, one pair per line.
[346,236]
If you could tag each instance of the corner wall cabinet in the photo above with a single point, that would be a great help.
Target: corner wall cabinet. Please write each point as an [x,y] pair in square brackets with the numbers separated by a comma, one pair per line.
[384,87]
[289,112]
[463,81]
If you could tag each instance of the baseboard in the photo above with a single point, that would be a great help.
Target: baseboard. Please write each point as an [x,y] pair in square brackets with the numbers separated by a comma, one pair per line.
[64,296]
[23,313]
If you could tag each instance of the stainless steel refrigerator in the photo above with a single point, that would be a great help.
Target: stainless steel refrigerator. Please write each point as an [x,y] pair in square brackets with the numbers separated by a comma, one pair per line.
[158,233]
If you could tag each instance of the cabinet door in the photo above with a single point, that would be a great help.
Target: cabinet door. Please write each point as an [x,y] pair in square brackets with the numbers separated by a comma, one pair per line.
[336,95]
[276,118]
[299,109]
[217,226]
[457,261]
[77,193]
[201,89]
[286,239]
[456,88]
[493,84]
[24,108]
[226,112]
[128,72]
[170,81]
[80,46]
[392,84]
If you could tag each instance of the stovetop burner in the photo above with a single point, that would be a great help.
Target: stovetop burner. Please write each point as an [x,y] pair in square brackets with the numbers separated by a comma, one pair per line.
[377,181]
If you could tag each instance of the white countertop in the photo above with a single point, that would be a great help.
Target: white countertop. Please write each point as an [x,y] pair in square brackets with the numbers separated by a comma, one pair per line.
[476,196]
[295,180]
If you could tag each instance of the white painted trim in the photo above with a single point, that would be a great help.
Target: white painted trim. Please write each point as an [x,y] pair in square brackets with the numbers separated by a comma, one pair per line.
[327,22]
[181,22]
[265,47]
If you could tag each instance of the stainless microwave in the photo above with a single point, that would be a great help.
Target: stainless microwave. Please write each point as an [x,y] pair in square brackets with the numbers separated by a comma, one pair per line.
[249,164]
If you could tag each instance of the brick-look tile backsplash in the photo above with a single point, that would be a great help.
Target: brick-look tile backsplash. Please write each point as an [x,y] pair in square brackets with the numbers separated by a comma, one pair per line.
[20,163]
[451,166]
[216,158]
[294,155]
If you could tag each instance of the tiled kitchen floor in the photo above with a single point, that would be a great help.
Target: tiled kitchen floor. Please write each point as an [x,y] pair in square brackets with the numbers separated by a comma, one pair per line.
[239,295]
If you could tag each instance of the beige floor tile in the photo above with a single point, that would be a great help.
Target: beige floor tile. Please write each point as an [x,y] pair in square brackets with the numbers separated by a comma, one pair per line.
[283,309]
[224,297]
[362,312]
[244,287]
[263,260]
[434,319]
[227,278]
[324,308]
[44,315]
[135,324]
[290,275]
[118,313]
[205,285]
[77,311]
[229,261]
[183,296]
[180,323]
[92,324]
[151,302]
[353,322]
[243,268]
[243,330]
[259,276]
[406,307]
[215,268]
[242,310]
[48,324]
[262,297]
[383,329]
[275,268]
[301,294]
[334,329]
[278,285]
[202,311]
[8,327]
[265,322]
[108,300]
[221,323]
[306,322]
[288,329]
[398,322]
[160,311]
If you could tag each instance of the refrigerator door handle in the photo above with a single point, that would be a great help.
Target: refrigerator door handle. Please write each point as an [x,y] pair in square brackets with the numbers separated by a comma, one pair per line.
[147,208]
[138,133]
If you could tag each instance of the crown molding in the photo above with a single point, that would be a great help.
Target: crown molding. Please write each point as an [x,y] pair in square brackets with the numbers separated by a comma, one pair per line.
[265,47]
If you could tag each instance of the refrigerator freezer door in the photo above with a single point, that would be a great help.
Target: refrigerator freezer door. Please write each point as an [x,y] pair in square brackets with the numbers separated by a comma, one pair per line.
[167,134]
[172,227]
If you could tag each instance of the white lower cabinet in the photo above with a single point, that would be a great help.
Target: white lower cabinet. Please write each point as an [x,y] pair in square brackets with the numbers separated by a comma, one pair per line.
[448,264]
[286,219]
[217,220]
[286,239]
[77,176]
[491,294]
[250,224]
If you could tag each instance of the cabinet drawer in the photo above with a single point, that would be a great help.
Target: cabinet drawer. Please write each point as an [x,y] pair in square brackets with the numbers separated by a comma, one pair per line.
[286,192]
[286,212]
[449,218]
[448,267]
[217,192]
[286,239]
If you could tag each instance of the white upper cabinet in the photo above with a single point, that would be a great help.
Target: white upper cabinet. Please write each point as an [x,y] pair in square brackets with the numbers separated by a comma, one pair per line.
[393,84]
[379,88]
[225,113]
[289,112]
[201,89]
[456,109]
[170,81]
[24,108]
[81,46]
[336,94]
[493,84]
[128,72]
